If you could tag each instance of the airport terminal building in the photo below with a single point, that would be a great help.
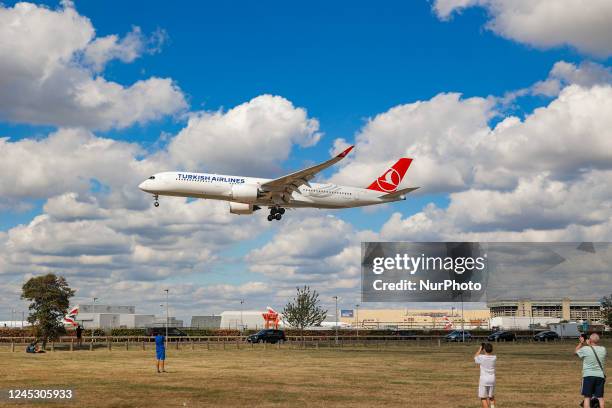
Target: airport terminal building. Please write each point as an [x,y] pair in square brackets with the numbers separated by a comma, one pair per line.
[563,309]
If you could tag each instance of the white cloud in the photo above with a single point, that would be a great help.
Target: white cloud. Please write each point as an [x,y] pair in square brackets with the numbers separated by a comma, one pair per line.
[104,49]
[587,26]
[441,135]
[46,77]
[545,177]
[251,138]
[67,160]
[562,74]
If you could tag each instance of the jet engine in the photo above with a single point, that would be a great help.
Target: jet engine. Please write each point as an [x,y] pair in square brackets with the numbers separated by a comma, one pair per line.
[242,208]
[245,192]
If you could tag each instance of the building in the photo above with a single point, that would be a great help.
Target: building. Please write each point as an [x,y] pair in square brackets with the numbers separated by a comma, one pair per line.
[100,316]
[522,323]
[246,319]
[562,309]
[206,322]
[420,319]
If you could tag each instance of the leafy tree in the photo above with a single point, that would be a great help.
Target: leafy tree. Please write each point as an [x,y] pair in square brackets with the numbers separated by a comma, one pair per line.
[304,310]
[50,296]
[606,310]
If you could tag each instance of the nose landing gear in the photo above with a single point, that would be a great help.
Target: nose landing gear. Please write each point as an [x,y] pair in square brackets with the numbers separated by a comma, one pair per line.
[276,213]
[156,200]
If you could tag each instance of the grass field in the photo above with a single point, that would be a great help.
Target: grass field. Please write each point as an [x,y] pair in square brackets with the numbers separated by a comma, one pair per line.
[529,375]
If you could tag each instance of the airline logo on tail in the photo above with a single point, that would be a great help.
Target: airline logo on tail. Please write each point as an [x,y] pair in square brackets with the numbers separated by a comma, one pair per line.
[70,318]
[388,182]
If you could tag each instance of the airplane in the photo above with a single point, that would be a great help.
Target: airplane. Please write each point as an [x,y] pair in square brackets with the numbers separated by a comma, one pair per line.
[249,194]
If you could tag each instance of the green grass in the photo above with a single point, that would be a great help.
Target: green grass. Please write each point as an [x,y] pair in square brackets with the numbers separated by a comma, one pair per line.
[529,375]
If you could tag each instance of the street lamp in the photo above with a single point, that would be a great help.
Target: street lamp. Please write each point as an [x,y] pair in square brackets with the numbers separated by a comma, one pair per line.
[12,317]
[241,322]
[462,320]
[357,317]
[336,299]
[93,313]
[167,315]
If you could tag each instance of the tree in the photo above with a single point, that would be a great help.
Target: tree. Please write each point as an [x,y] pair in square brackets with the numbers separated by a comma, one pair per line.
[304,310]
[606,310]
[50,296]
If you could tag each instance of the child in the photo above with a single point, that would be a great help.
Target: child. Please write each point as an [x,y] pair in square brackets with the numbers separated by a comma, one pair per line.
[160,351]
[486,385]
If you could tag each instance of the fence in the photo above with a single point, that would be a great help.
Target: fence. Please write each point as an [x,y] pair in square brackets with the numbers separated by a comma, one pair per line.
[237,342]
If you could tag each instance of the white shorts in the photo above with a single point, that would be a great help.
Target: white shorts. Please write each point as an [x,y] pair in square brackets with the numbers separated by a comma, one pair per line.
[486,391]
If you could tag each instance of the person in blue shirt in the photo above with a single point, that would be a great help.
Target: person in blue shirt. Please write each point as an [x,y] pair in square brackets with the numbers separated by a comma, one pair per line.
[160,351]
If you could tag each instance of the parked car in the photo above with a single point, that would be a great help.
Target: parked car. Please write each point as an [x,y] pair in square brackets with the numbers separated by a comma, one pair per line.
[458,335]
[267,336]
[502,335]
[172,331]
[405,334]
[546,335]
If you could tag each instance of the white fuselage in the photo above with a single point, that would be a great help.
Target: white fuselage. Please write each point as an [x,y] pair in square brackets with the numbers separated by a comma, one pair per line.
[231,188]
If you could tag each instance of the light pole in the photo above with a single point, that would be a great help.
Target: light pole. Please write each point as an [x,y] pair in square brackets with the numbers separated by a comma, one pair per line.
[336,299]
[357,317]
[462,320]
[241,321]
[93,313]
[167,316]
[12,317]
[22,318]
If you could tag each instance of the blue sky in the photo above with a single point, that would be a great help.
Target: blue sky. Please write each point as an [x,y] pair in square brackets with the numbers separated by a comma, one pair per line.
[345,63]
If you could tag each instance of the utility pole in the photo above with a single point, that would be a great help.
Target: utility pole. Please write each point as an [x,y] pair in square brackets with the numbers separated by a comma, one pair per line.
[22,318]
[12,317]
[167,316]
[336,299]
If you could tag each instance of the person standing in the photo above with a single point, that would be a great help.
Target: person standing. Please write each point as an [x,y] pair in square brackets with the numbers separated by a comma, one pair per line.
[79,335]
[160,352]
[486,384]
[593,372]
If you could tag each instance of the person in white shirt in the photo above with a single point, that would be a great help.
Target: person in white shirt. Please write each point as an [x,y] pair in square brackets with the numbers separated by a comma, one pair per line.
[486,385]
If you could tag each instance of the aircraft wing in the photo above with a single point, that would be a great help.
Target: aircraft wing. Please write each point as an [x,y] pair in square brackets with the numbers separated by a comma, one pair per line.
[291,182]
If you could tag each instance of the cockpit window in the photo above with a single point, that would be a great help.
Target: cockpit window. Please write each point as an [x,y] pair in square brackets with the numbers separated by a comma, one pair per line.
[152,178]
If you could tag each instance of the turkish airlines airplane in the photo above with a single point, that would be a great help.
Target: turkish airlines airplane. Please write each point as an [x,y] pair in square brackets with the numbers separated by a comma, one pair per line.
[248,194]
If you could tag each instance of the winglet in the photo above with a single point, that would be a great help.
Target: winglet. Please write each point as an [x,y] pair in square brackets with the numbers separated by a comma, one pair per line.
[344,153]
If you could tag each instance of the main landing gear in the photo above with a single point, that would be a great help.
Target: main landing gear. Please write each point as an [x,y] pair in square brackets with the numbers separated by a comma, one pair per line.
[156,200]
[276,213]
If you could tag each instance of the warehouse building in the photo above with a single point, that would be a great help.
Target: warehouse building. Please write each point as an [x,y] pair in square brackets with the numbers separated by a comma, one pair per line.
[206,322]
[100,316]
[562,309]
[242,320]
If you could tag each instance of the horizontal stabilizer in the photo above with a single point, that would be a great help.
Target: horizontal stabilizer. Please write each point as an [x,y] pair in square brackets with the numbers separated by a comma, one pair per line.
[398,193]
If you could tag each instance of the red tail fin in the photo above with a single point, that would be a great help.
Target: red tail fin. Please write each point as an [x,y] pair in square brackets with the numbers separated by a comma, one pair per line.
[388,182]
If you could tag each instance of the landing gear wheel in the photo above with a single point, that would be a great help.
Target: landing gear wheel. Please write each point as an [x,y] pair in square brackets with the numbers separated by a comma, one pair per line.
[273,211]
[156,200]
[156,203]
[278,216]
[281,211]
[270,217]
